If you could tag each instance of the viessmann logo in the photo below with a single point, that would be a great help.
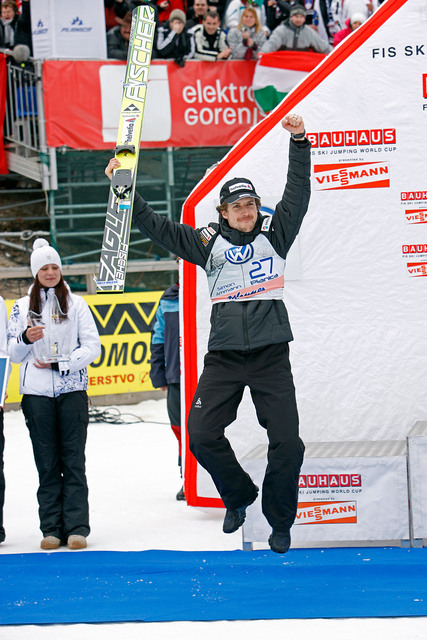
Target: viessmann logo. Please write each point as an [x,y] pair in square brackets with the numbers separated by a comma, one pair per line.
[416,216]
[352,175]
[352,138]
[339,512]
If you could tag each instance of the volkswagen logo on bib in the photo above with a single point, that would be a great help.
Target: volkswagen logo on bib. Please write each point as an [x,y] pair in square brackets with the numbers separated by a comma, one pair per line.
[239,255]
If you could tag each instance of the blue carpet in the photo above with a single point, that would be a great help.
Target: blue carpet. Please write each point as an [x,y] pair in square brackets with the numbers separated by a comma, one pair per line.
[111,586]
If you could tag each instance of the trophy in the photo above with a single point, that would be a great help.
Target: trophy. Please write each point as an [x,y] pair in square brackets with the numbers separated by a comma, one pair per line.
[55,344]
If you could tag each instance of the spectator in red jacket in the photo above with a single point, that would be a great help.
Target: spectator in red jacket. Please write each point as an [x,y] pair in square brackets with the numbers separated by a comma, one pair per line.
[352,23]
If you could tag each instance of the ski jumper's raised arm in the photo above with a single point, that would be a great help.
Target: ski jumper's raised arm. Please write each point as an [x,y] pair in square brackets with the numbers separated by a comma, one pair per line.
[291,209]
[180,239]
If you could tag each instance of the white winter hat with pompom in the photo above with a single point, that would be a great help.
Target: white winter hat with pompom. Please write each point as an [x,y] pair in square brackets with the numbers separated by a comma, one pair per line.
[357,17]
[42,255]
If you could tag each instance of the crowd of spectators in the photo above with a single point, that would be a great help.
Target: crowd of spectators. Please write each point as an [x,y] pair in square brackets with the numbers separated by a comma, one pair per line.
[238,29]
[215,29]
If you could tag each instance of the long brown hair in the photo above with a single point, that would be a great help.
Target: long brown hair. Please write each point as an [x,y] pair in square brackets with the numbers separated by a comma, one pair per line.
[61,293]
[251,10]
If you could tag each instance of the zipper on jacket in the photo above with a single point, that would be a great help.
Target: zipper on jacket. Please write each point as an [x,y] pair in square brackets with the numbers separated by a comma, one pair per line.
[245,324]
[25,374]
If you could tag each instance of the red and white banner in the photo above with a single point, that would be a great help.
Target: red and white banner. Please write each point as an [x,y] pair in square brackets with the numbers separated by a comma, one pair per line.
[3,85]
[347,491]
[358,308]
[203,104]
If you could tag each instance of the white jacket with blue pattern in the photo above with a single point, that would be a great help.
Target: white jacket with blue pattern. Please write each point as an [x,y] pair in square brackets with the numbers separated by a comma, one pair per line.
[82,337]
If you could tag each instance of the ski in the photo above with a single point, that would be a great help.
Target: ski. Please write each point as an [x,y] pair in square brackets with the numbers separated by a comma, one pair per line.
[115,244]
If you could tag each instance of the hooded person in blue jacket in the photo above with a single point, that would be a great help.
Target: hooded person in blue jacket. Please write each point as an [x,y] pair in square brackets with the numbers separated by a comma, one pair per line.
[165,369]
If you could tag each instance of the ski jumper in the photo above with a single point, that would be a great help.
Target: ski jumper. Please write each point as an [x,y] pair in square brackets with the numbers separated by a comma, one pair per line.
[248,341]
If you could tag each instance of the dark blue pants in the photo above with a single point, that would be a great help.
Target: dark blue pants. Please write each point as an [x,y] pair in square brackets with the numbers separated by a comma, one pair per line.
[58,430]
[268,375]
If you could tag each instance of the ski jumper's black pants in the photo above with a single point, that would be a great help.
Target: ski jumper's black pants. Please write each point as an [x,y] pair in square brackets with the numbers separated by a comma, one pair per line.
[58,430]
[267,373]
[2,483]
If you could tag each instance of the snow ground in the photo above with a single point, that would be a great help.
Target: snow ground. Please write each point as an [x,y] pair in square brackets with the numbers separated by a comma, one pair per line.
[133,478]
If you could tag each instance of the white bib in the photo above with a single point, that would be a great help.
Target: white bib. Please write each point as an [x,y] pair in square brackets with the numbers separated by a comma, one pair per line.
[253,271]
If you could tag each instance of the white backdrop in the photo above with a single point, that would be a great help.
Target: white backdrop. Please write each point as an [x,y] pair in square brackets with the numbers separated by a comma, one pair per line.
[68,29]
[358,313]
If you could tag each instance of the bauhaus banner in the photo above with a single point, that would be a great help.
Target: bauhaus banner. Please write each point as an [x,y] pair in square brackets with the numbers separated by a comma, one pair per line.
[357,300]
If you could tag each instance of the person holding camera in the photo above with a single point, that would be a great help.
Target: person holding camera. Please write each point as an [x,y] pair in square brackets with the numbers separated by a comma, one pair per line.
[247,37]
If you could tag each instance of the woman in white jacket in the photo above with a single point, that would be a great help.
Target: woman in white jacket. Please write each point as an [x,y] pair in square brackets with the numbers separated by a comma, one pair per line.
[3,352]
[52,334]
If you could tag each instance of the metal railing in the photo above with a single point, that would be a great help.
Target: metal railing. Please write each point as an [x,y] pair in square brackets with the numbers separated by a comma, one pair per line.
[25,126]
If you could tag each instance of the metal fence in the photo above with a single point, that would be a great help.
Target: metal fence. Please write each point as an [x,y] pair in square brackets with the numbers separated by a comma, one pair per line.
[21,124]
[24,126]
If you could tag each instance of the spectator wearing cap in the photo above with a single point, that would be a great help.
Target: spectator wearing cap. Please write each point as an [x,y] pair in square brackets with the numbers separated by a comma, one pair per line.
[118,38]
[174,40]
[209,38]
[352,23]
[294,35]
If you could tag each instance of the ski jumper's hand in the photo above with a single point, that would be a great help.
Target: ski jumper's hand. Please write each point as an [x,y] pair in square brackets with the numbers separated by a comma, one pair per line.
[113,164]
[293,123]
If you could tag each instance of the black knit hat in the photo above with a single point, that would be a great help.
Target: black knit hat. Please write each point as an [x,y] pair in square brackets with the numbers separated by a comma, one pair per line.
[297,9]
[235,189]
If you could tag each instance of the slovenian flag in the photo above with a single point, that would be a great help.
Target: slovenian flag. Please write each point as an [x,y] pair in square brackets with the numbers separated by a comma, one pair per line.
[277,73]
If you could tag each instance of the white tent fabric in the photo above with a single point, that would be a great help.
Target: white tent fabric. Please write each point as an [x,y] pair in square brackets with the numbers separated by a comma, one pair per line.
[358,305]
[64,29]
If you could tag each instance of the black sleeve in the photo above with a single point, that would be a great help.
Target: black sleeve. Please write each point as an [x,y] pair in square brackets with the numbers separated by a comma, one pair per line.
[290,211]
[180,239]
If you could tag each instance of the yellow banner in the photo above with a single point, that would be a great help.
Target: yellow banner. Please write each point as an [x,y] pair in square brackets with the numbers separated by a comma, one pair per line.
[124,323]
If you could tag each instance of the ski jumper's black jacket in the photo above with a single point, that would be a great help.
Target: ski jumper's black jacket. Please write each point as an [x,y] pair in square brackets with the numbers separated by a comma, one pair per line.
[242,324]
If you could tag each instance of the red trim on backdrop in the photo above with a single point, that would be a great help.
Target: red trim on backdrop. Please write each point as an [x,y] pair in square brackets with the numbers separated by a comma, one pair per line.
[331,62]
[191,380]
[3,89]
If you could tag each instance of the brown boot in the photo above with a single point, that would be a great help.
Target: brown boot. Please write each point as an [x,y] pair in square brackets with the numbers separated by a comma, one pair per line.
[77,542]
[50,542]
